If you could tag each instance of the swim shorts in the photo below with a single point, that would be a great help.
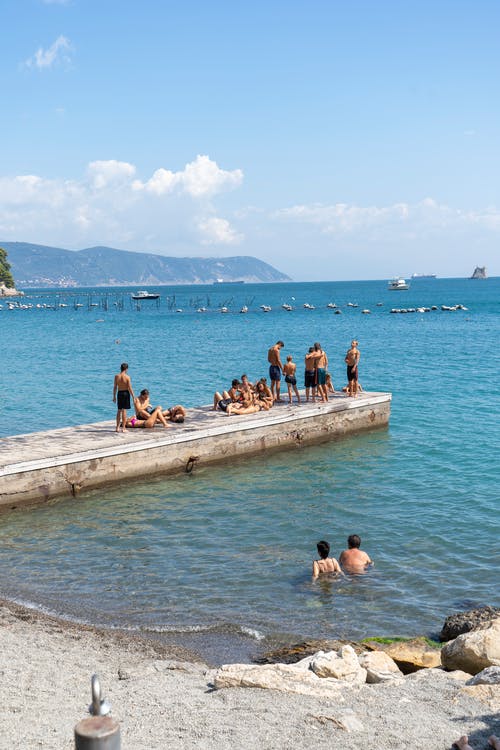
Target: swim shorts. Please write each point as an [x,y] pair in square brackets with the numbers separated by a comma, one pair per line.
[321,376]
[123,400]
[310,378]
[274,372]
[291,379]
[224,403]
[352,373]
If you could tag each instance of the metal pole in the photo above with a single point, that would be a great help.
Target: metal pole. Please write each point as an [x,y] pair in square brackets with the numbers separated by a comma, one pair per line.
[100,732]
[97,733]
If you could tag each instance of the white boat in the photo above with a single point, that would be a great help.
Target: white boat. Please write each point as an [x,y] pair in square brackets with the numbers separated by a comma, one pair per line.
[143,294]
[224,309]
[307,306]
[286,306]
[397,284]
[352,304]
[331,306]
[244,309]
[265,308]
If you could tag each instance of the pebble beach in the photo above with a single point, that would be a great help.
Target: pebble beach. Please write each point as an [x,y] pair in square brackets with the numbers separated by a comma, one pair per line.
[164,698]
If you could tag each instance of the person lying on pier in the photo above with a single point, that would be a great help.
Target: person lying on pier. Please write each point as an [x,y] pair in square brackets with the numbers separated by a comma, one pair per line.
[325,564]
[247,403]
[143,409]
[176,414]
[233,395]
[354,560]
[263,396]
[156,416]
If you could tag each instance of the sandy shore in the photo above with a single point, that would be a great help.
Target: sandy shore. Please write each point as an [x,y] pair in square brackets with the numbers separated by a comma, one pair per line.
[162,698]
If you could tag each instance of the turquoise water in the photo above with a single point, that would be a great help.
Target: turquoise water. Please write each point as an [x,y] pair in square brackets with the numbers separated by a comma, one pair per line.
[224,554]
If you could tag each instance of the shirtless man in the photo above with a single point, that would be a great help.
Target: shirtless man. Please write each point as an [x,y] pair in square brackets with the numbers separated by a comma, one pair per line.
[310,374]
[143,409]
[122,391]
[275,369]
[222,401]
[352,360]
[321,365]
[354,560]
[325,564]
[290,379]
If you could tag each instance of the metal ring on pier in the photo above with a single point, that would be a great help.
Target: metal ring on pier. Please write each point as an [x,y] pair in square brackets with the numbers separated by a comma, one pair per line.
[190,463]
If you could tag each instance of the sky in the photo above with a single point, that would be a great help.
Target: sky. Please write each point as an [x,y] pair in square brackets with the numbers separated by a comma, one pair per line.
[332,139]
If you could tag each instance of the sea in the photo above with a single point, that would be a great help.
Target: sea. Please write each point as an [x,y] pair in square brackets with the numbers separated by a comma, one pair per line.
[220,560]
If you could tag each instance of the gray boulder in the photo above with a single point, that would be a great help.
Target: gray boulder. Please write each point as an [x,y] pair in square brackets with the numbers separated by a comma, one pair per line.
[472,652]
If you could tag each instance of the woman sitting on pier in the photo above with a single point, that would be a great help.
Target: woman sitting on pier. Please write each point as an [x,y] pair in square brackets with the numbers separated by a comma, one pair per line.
[263,396]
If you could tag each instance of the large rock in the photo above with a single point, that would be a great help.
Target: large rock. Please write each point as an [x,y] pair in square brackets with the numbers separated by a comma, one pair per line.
[342,665]
[464,622]
[379,667]
[487,694]
[410,655]
[284,677]
[474,651]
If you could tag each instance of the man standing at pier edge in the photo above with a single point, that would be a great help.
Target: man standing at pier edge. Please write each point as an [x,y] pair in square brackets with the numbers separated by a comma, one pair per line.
[275,369]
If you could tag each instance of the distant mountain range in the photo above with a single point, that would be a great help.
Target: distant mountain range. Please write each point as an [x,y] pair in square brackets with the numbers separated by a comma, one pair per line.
[43,266]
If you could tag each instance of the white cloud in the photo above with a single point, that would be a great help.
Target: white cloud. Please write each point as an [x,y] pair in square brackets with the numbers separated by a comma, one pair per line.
[58,52]
[217,231]
[201,177]
[104,173]
[175,211]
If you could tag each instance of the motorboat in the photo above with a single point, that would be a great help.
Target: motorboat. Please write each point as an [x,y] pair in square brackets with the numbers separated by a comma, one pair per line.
[397,285]
[307,306]
[266,308]
[224,309]
[244,309]
[331,306]
[143,294]
[286,306]
[352,304]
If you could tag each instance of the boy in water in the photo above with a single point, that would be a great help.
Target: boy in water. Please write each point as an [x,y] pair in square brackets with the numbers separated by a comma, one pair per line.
[325,564]
[289,371]
[122,391]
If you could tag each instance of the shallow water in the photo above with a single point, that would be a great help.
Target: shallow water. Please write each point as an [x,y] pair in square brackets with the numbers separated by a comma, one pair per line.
[226,552]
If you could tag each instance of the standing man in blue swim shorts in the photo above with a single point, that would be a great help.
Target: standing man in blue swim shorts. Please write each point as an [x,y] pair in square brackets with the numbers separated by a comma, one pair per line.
[275,369]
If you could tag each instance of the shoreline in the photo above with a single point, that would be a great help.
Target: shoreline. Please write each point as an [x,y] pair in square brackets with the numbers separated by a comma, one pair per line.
[164,696]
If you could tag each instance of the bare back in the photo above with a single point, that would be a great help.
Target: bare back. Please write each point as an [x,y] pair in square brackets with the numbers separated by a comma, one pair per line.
[327,565]
[354,559]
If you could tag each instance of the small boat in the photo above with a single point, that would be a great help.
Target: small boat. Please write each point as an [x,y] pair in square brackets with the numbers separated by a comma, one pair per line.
[352,304]
[143,294]
[380,304]
[266,308]
[244,309]
[331,306]
[307,306]
[224,309]
[397,285]
[286,306]
[338,312]
[179,309]
[366,312]
[201,310]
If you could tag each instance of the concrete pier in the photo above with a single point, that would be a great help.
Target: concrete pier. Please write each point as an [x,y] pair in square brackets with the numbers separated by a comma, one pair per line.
[41,466]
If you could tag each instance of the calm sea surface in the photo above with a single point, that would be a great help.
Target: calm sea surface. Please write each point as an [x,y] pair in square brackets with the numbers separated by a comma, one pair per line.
[220,558]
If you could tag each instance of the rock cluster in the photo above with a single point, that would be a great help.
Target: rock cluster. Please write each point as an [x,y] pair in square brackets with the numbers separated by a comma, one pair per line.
[473,658]
[6,291]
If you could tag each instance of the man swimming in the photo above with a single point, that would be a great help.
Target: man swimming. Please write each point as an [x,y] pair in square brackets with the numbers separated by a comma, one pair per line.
[354,560]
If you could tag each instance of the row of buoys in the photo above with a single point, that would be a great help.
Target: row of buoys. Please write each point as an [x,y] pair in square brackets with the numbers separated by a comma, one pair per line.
[445,308]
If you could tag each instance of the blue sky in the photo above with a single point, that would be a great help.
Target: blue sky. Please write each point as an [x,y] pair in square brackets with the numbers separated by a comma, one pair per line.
[335,140]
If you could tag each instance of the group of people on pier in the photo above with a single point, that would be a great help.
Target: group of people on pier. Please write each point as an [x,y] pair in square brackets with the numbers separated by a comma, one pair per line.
[243,397]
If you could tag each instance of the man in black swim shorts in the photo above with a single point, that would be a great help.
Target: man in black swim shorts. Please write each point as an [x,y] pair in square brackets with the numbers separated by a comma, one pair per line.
[122,391]
[275,369]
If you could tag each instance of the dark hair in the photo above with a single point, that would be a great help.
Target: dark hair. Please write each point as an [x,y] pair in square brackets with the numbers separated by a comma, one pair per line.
[279,343]
[235,383]
[144,392]
[311,349]
[178,418]
[123,366]
[323,549]
[354,541]
[244,376]
[317,346]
